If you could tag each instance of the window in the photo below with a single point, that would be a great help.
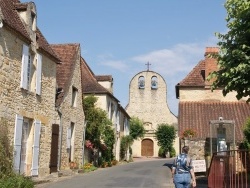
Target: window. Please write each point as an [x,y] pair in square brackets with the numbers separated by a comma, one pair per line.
[26,68]
[154,83]
[31,74]
[74,96]
[141,82]
[26,145]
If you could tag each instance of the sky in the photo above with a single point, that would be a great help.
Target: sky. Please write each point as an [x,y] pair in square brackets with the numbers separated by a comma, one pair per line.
[118,37]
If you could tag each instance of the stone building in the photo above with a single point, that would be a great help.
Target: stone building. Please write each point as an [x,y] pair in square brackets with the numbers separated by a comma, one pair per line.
[101,86]
[27,87]
[70,129]
[148,102]
[199,106]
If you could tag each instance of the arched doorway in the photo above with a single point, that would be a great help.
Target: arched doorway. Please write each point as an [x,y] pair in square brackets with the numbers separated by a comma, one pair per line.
[147,147]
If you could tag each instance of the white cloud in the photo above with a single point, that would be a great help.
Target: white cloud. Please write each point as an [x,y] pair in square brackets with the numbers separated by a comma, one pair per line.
[118,65]
[180,58]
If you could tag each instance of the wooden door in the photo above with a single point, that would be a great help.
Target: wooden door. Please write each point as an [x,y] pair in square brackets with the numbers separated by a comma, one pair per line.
[147,148]
[54,148]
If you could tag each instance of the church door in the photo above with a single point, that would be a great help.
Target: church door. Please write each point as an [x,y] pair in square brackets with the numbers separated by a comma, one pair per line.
[147,148]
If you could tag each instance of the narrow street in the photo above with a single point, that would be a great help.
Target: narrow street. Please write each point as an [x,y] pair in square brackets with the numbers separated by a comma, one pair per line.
[141,173]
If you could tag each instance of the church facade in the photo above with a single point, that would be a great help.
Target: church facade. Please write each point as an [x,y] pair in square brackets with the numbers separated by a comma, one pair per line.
[148,102]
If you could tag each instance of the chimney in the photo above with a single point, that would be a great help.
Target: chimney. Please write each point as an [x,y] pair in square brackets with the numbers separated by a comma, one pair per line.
[210,63]
[211,51]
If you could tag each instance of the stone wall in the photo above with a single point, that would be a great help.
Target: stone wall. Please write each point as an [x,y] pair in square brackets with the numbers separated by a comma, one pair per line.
[14,100]
[150,105]
[71,114]
[189,94]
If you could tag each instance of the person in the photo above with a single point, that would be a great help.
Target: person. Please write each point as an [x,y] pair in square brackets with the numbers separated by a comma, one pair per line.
[183,171]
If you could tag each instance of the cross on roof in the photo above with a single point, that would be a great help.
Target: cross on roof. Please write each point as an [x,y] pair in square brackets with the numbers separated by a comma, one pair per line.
[148,65]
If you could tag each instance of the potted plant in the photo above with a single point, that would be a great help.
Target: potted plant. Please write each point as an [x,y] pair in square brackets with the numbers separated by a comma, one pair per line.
[189,133]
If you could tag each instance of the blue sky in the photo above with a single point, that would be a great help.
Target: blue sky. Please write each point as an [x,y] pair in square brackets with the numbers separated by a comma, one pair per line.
[118,37]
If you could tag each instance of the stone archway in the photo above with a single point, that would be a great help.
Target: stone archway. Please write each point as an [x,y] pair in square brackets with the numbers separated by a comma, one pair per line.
[147,147]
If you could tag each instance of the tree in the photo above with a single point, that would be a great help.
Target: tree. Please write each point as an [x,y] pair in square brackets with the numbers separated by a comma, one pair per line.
[126,142]
[165,135]
[246,142]
[234,56]
[98,131]
[137,129]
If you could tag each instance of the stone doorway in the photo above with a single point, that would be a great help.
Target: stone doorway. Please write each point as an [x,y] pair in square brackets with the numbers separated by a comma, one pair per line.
[147,148]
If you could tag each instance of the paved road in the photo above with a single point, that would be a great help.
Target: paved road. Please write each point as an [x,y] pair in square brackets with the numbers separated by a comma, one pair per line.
[149,173]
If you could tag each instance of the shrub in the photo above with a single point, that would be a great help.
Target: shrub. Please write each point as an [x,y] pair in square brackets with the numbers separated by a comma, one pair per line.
[17,181]
[114,162]
[5,151]
[88,167]
[161,152]
[172,152]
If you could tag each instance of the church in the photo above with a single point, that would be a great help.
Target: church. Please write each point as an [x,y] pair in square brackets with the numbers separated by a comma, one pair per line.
[148,102]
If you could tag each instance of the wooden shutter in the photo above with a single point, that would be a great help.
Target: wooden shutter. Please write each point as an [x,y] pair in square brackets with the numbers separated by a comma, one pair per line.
[69,137]
[24,71]
[118,121]
[110,110]
[39,74]
[35,158]
[18,142]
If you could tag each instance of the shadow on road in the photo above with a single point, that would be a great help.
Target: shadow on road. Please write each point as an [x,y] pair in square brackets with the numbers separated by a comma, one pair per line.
[169,165]
[201,178]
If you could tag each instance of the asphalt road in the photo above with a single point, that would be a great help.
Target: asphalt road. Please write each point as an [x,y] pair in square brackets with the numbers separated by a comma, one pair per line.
[151,173]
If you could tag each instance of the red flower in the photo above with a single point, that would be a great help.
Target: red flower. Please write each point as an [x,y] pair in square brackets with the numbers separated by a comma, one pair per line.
[89,145]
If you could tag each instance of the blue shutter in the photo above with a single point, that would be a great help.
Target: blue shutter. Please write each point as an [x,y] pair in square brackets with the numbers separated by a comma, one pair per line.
[39,74]
[24,71]
[18,142]
[69,137]
[35,158]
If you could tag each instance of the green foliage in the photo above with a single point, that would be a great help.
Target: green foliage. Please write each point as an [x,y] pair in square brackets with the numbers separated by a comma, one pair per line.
[7,177]
[126,142]
[162,152]
[165,135]
[172,152]
[137,129]
[88,167]
[6,151]
[97,121]
[17,181]
[234,56]
[246,143]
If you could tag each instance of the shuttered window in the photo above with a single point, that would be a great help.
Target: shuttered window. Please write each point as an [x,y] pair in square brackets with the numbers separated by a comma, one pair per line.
[25,65]
[39,74]
[17,142]
[36,147]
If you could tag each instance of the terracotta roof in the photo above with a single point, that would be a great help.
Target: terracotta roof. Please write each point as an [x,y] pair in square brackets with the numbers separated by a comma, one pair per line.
[12,20]
[104,78]
[11,17]
[197,115]
[45,46]
[195,77]
[68,55]
[90,84]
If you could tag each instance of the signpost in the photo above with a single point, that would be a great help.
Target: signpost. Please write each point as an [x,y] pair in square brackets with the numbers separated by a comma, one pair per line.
[199,165]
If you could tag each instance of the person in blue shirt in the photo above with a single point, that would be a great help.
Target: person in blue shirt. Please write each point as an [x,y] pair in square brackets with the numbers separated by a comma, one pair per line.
[183,171]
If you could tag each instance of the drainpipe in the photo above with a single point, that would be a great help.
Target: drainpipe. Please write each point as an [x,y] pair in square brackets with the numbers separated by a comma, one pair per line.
[83,140]
[60,140]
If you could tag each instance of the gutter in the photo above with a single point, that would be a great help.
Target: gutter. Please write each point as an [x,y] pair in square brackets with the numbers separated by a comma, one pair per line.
[60,141]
